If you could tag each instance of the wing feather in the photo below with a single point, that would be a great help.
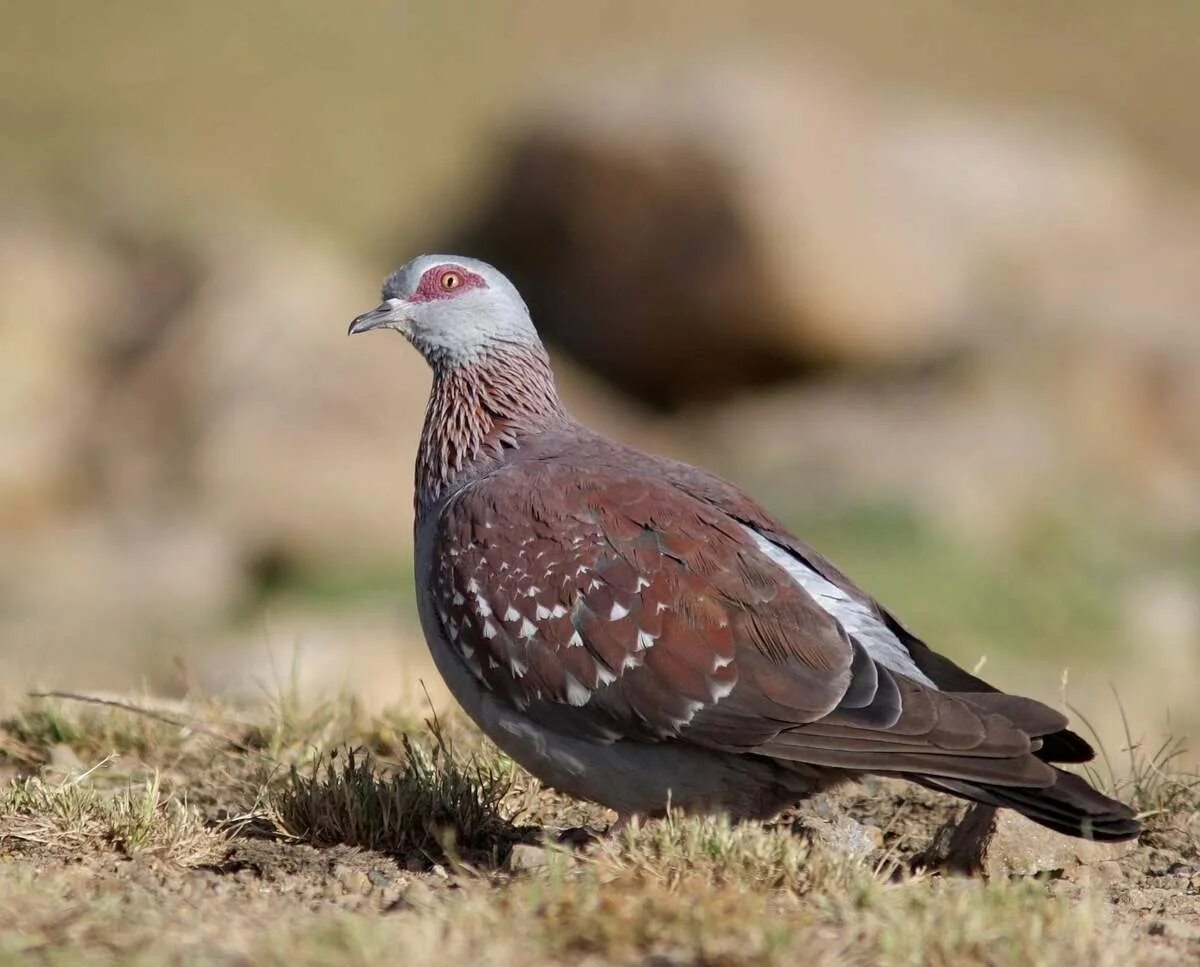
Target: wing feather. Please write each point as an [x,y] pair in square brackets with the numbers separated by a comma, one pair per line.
[619,604]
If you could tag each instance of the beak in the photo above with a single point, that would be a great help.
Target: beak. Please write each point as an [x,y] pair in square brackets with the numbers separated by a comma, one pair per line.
[387,314]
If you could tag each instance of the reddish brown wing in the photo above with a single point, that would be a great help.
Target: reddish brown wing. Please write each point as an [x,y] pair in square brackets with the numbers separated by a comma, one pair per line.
[604,601]
[1056,742]
[618,606]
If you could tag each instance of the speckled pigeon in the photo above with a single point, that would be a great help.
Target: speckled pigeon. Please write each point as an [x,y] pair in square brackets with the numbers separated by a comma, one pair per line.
[641,633]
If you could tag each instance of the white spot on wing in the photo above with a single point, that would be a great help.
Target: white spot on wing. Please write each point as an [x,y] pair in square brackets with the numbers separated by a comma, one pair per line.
[692,708]
[719,689]
[577,692]
[644,640]
[528,628]
[618,612]
[856,617]
[603,675]
[511,614]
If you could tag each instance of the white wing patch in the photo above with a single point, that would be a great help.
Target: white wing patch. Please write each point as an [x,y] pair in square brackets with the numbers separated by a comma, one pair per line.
[855,617]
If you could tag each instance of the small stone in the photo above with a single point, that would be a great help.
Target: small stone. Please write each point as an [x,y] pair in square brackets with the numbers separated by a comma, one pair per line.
[439,871]
[844,835]
[1140,900]
[1160,863]
[526,857]
[1021,847]
[352,880]
[1104,874]
[378,878]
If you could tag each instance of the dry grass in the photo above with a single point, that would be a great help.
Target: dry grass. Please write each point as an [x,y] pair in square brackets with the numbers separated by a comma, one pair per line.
[1151,778]
[303,853]
[438,803]
[75,816]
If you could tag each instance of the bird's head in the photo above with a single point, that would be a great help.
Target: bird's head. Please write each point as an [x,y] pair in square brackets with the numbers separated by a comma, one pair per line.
[453,309]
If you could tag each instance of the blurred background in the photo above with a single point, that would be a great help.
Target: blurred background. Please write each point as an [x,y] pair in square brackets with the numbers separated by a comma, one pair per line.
[924,277]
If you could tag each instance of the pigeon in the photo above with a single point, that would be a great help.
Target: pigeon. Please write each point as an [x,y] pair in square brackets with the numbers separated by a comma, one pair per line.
[641,633]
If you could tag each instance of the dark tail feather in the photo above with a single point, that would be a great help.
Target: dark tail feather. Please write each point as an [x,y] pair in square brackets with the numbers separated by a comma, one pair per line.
[1070,806]
[1065,746]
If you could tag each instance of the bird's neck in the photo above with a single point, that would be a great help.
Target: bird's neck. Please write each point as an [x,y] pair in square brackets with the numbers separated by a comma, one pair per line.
[478,410]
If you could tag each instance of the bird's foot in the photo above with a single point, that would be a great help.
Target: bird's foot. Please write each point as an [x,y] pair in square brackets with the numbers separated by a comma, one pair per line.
[581,837]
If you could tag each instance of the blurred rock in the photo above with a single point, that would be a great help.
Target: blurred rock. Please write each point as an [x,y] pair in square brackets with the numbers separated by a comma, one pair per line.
[693,235]
[1002,843]
[983,445]
[179,414]
[303,440]
[53,287]
[842,835]
[528,858]
[1020,847]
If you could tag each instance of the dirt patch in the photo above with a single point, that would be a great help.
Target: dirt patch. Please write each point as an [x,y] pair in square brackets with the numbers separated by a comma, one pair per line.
[180,857]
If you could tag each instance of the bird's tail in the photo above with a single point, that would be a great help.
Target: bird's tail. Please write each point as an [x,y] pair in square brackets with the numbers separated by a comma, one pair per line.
[1070,806]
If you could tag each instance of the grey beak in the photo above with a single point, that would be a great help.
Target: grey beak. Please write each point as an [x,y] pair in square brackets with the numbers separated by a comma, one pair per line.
[386,314]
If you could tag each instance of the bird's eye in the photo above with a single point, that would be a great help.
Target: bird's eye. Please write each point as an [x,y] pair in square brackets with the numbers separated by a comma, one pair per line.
[451,280]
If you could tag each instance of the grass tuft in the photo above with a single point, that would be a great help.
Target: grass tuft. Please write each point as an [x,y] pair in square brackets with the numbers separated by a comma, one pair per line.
[958,921]
[74,815]
[438,804]
[1152,781]
[712,851]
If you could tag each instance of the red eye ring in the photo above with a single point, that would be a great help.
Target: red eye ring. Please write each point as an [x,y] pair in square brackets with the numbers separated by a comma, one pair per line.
[445,281]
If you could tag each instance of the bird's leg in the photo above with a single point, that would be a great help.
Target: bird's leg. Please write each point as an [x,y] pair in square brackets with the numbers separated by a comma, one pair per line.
[961,847]
[581,837]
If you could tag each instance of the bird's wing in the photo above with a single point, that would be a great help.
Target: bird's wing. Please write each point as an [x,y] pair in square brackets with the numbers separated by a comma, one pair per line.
[627,602]
[606,601]
[884,633]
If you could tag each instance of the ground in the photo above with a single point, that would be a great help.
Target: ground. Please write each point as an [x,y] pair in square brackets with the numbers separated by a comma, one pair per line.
[185,833]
